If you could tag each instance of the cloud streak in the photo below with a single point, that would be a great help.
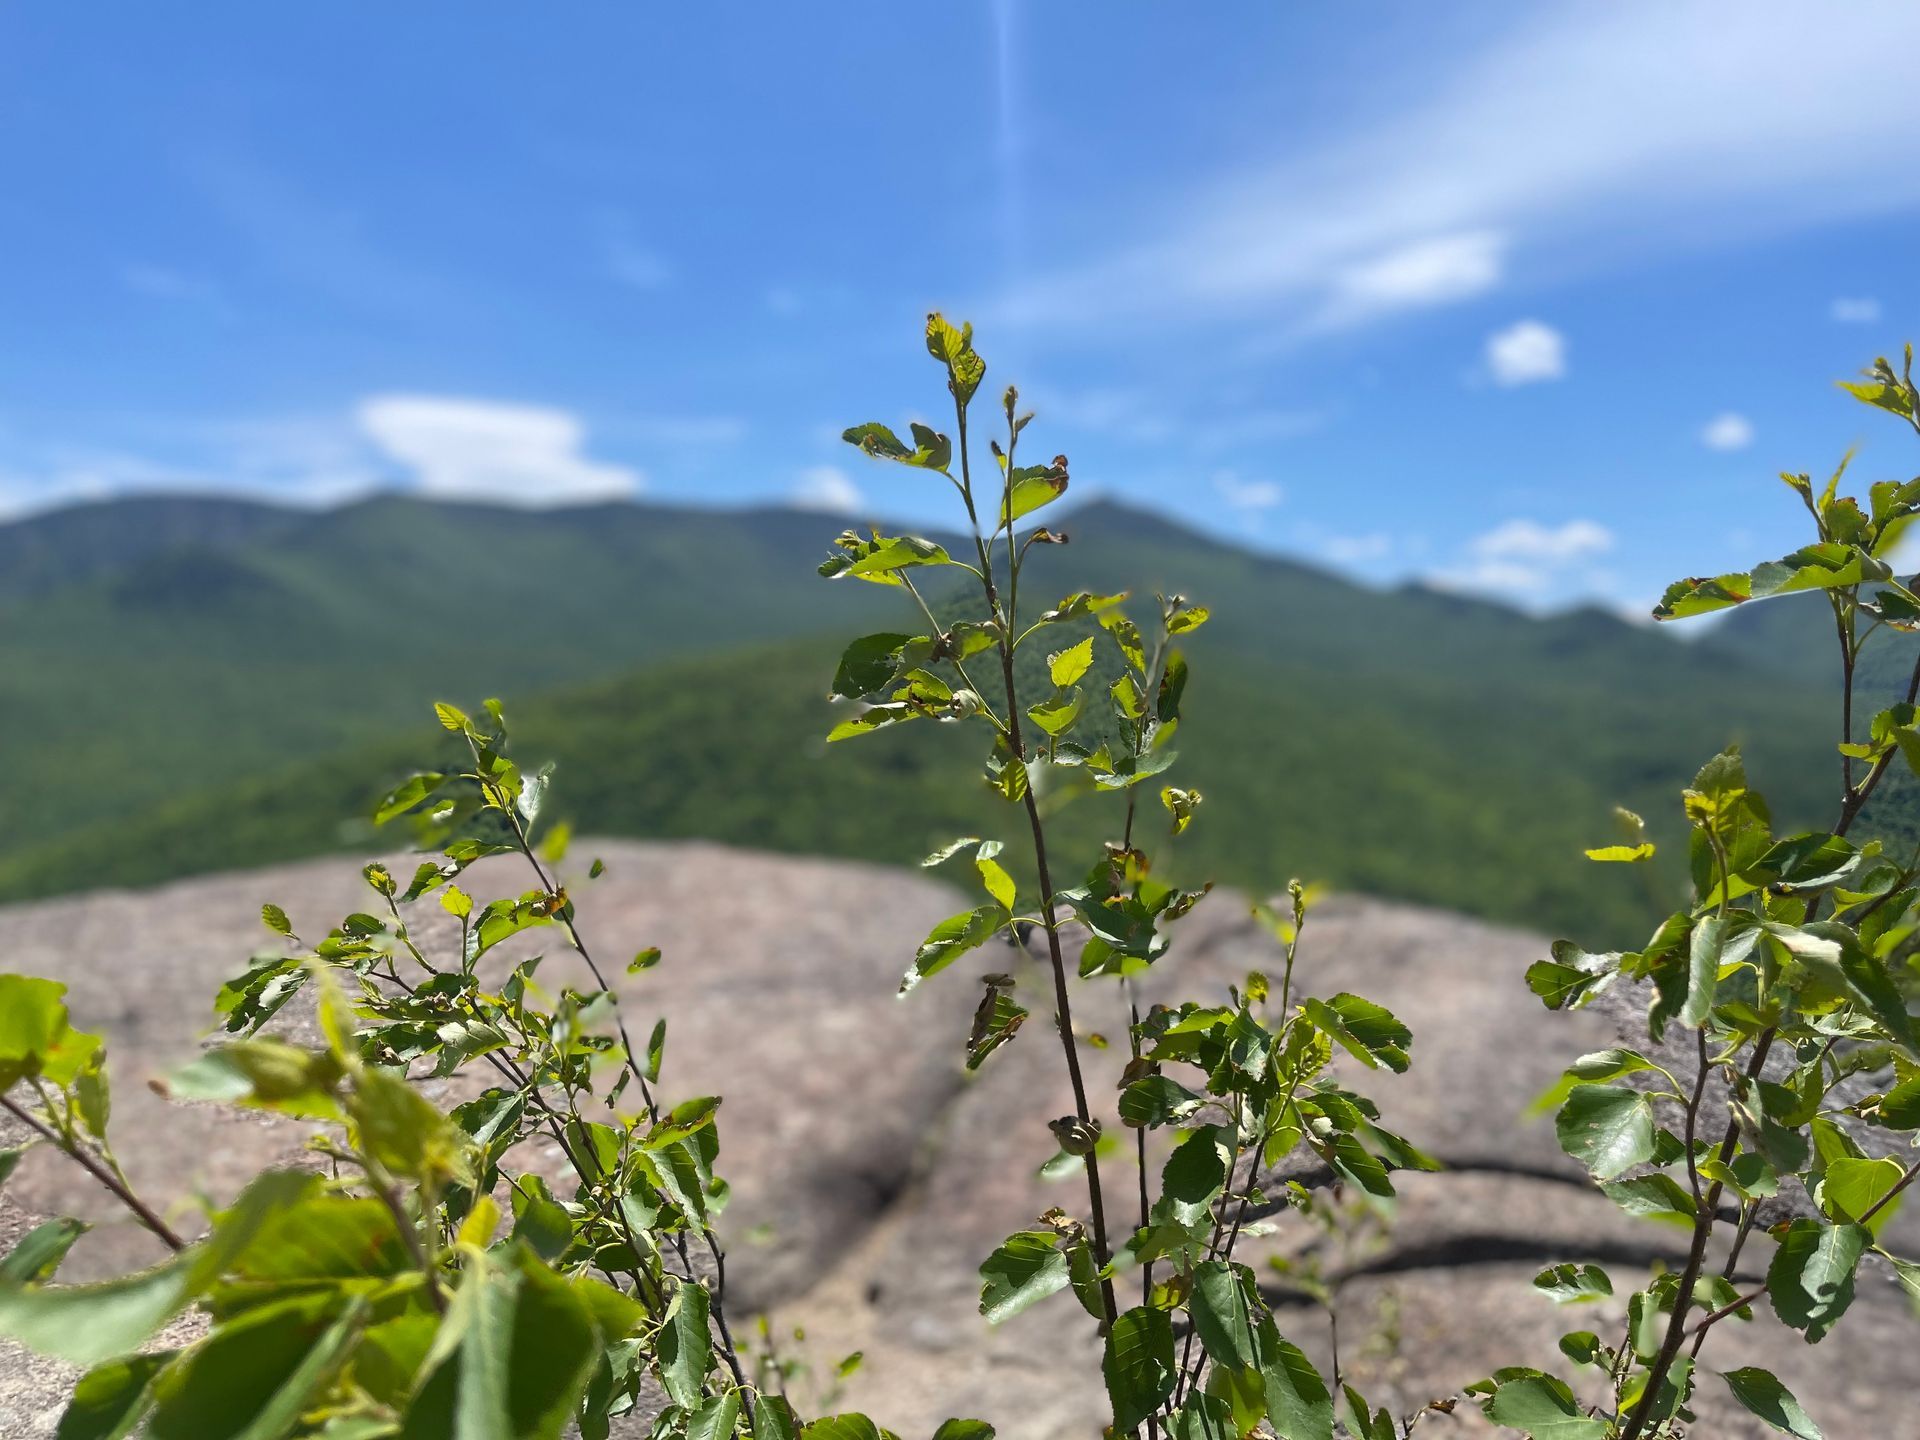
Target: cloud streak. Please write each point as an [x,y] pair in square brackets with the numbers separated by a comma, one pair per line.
[1528,155]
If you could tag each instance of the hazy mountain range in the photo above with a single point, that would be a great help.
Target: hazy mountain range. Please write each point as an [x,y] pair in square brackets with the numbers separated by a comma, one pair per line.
[191,683]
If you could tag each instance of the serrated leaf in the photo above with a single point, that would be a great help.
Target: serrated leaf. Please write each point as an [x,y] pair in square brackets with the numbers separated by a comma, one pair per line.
[1068,665]
[1810,1280]
[1368,1031]
[1762,1394]
[1138,1366]
[1544,1409]
[952,938]
[1024,1269]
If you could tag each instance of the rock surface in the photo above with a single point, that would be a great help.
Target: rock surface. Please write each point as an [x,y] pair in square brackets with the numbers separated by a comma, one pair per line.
[871,1174]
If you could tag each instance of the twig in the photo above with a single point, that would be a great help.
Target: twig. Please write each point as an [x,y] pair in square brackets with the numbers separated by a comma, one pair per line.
[118,1187]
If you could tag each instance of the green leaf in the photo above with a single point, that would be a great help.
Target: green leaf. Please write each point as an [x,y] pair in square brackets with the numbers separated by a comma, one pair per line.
[1703,970]
[403,1132]
[404,797]
[930,451]
[263,1075]
[1156,1100]
[685,1119]
[844,1427]
[1880,394]
[685,1346]
[1031,486]
[540,1222]
[86,1324]
[954,348]
[1543,1408]
[1068,665]
[1138,1366]
[1608,1128]
[964,1430]
[1223,1313]
[1766,1397]
[36,1036]
[773,1419]
[1298,1402]
[1899,1108]
[952,938]
[999,884]
[1195,1173]
[1867,978]
[1811,1278]
[1572,1284]
[511,1359]
[1024,1269]
[1589,1069]
[1851,1187]
[253,1377]
[716,1419]
[868,664]
[40,1251]
[1628,854]
[1653,1197]
[996,1020]
[111,1399]
[1366,1030]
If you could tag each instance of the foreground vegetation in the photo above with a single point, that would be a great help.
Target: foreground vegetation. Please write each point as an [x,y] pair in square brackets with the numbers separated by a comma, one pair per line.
[420,1281]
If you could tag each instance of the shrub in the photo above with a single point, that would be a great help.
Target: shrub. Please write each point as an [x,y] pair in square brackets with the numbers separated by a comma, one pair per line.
[418,1280]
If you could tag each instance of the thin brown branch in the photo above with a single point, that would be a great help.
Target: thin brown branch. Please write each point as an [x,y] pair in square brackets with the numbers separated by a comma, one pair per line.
[114,1184]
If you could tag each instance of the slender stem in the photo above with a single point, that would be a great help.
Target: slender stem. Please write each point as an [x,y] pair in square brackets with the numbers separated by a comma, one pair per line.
[1703,1221]
[1139,1136]
[1063,1004]
[87,1162]
[389,1194]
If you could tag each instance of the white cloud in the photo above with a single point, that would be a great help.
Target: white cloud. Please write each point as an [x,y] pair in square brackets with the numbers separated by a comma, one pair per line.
[1431,271]
[1727,432]
[1531,542]
[1525,559]
[1248,495]
[486,450]
[1856,310]
[1526,353]
[828,488]
[1519,156]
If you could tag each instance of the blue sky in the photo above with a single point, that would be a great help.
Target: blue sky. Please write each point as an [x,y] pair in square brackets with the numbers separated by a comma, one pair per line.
[1528,299]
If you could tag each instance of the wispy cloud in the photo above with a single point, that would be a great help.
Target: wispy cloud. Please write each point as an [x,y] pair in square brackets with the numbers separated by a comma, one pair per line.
[1727,432]
[1855,310]
[1526,560]
[1527,148]
[827,488]
[1526,353]
[1249,497]
[489,450]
